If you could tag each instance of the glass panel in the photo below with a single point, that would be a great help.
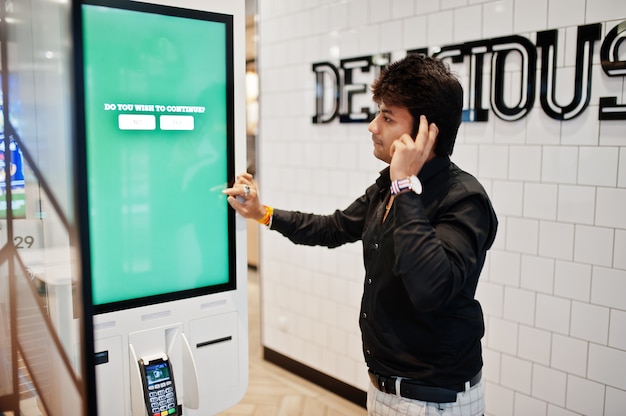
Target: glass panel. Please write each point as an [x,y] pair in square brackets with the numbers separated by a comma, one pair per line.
[41,347]
[6,375]
[56,273]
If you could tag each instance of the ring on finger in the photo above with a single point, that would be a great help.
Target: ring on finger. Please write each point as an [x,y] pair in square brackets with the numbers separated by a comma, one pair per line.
[246,191]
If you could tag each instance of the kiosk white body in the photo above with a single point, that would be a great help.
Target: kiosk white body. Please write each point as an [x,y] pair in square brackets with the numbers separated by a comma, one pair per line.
[184,301]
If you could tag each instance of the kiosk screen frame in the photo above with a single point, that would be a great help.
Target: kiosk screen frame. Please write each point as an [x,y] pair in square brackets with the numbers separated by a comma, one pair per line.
[155,148]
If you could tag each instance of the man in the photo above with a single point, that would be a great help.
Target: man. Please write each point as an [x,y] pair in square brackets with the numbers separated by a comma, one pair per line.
[426,226]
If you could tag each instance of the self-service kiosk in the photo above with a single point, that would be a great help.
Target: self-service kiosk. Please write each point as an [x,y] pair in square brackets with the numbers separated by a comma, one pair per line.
[163,107]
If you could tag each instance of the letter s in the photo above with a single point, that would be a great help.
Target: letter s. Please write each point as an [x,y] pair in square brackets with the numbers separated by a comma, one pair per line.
[613,67]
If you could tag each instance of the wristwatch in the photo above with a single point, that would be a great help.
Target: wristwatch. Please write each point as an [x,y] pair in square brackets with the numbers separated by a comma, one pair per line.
[400,186]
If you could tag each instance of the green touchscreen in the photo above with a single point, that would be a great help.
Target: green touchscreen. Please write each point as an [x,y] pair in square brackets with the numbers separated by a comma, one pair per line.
[158,124]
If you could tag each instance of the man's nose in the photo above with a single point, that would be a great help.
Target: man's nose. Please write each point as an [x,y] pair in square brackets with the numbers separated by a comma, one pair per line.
[373,127]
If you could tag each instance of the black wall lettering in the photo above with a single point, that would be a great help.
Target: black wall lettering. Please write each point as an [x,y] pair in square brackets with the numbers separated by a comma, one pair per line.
[547,41]
[476,51]
[322,71]
[502,48]
[342,85]
[613,67]
[349,88]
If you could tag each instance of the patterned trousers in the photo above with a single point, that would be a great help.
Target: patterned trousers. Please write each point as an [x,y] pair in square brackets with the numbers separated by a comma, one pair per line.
[468,403]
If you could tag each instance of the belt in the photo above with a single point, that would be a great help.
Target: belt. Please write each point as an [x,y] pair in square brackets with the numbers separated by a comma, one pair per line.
[413,389]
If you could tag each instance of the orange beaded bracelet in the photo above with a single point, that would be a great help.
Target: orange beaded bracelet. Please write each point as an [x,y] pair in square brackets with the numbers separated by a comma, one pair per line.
[266,220]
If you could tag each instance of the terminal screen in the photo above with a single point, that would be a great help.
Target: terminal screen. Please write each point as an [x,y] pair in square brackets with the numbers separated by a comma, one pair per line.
[158,150]
[157,373]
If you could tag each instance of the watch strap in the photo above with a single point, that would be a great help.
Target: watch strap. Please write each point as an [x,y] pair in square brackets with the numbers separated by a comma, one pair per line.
[400,186]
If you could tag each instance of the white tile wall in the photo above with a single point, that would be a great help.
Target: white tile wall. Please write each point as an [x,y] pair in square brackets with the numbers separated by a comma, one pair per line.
[540,201]
[516,374]
[441,28]
[491,297]
[537,274]
[621,178]
[493,161]
[510,132]
[491,368]
[543,130]
[554,283]
[593,245]
[553,314]
[502,335]
[525,405]
[497,18]
[525,163]
[572,280]
[559,411]
[534,345]
[584,396]
[426,6]
[522,235]
[619,260]
[590,322]
[583,130]
[519,305]
[507,197]
[569,354]
[556,240]
[598,166]
[530,16]
[549,384]
[617,335]
[608,287]
[560,164]
[576,204]
[500,399]
[614,402]
[600,10]
[467,23]
[610,204]
[607,365]
[563,13]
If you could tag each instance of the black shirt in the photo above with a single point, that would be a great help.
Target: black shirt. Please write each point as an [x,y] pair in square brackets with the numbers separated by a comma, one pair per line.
[419,318]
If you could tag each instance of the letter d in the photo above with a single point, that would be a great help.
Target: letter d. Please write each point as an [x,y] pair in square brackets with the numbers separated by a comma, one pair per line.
[321,69]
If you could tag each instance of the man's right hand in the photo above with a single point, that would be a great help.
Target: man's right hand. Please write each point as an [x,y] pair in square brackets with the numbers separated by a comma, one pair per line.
[243,196]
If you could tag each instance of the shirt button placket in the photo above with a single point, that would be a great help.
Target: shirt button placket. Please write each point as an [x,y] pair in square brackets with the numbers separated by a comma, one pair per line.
[369,280]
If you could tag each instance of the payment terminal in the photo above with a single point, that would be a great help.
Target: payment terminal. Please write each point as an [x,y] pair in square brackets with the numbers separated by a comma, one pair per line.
[158,386]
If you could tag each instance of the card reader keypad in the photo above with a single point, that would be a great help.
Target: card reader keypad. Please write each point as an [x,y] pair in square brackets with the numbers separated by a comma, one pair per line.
[162,400]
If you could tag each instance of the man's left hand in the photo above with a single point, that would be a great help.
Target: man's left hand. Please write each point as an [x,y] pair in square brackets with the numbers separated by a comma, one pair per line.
[408,156]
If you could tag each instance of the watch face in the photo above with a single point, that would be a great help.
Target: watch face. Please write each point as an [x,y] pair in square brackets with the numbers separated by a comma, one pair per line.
[416,185]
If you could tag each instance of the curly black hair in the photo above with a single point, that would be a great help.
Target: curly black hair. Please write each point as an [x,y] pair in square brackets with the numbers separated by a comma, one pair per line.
[425,86]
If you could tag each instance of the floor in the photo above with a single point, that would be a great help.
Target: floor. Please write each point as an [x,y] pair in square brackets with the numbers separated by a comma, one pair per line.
[273,391]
